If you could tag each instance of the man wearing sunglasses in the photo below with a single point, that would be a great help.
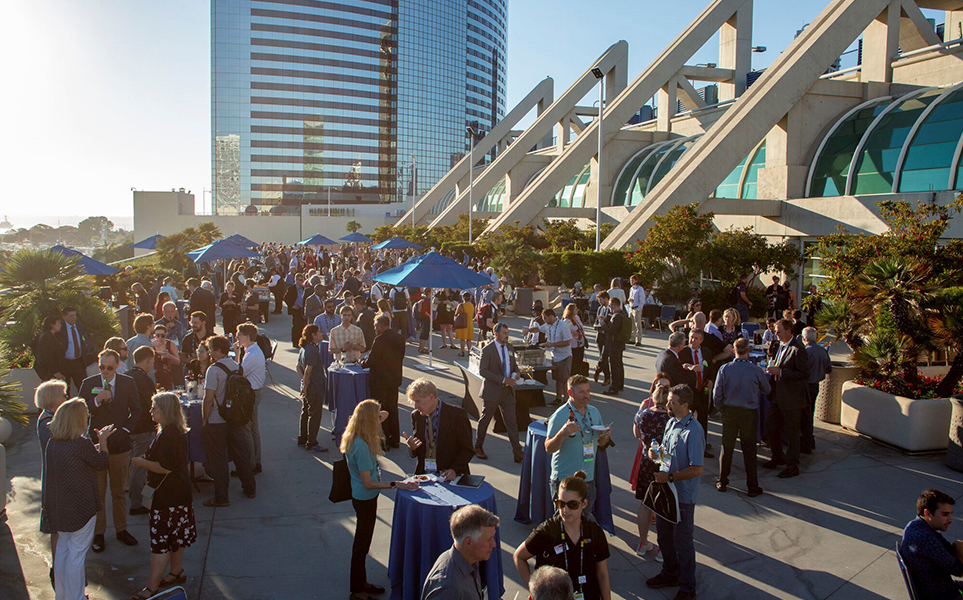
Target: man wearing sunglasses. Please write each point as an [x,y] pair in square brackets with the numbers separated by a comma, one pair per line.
[112,399]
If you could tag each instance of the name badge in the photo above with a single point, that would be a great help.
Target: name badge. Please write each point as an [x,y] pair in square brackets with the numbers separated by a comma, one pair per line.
[431,465]
[484,593]
[588,452]
[579,596]
[560,548]
[582,579]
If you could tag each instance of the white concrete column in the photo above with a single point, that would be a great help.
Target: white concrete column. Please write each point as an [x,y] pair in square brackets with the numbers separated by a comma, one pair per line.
[953,30]
[735,51]
[668,103]
[881,43]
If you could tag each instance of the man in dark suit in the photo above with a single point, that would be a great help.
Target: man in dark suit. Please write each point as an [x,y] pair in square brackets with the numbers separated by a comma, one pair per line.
[294,297]
[364,318]
[498,390]
[202,300]
[790,379]
[112,399]
[695,360]
[386,362]
[78,350]
[441,439]
[668,362]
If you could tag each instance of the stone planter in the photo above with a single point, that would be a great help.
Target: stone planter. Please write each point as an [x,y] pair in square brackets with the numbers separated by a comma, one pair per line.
[830,392]
[29,380]
[954,452]
[911,425]
[523,301]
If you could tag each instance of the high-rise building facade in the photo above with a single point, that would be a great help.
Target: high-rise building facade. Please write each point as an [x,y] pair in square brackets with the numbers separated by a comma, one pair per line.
[356,98]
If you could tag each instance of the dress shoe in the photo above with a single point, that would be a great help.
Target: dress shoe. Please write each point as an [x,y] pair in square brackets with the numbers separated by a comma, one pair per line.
[685,596]
[98,545]
[754,492]
[371,588]
[611,392]
[788,472]
[638,343]
[708,454]
[720,486]
[773,464]
[480,453]
[251,494]
[126,538]
[212,503]
[597,370]
[140,510]
[519,458]
[661,581]
[257,468]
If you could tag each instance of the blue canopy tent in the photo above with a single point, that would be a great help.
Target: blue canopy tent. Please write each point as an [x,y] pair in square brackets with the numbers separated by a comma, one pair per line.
[240,240]
[357,238]
[89,265]
[432,270]
[397,243]
[221,250]
[318,240]
[148,244]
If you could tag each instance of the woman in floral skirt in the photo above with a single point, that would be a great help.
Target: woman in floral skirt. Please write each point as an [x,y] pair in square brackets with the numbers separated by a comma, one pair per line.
[649,424]
[172,526]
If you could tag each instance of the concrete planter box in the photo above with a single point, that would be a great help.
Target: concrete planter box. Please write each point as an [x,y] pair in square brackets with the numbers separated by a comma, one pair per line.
[523,301]
[911,425]
[29,381]
[829,400]
[954,453]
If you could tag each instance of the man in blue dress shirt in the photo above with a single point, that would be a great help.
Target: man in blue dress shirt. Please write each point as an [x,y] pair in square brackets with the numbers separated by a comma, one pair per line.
[931,560]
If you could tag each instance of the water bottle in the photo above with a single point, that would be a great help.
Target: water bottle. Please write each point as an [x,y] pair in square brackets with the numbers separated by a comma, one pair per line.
[571,418]
[658,452]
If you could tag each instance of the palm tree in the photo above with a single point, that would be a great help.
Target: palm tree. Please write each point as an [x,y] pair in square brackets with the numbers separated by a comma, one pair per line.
[353,226]
[10,408]
[836,317]
[208,232]
[172,250]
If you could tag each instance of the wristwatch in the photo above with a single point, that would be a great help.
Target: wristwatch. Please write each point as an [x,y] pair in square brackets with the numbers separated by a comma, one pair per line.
[671,478]
[395,483]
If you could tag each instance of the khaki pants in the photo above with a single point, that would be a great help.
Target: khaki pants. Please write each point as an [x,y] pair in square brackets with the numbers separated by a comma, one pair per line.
[638,325]
[118,470]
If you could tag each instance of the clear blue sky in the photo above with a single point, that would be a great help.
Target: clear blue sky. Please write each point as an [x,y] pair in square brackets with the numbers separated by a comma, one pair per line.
[104,95]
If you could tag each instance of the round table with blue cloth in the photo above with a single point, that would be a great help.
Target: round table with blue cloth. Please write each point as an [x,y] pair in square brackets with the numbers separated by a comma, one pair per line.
[326,358]
[534,494]
[347,386]
[420,533]
[194,416]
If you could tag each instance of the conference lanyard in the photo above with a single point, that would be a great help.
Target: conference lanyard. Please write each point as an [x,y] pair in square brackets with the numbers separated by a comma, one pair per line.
[667,460]
[588,448]
[580,579]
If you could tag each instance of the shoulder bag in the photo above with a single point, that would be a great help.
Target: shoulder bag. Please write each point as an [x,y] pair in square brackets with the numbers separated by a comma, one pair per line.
[340,481]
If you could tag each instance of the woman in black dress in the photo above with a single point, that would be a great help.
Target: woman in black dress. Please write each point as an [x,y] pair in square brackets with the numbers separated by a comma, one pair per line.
[49,351]
[172,526]
[570,541]
[229,308]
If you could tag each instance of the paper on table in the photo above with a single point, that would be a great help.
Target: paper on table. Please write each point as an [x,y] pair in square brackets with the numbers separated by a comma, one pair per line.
[442,496]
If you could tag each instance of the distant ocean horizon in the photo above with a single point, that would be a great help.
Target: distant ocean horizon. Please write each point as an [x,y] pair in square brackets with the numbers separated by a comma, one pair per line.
[28,221]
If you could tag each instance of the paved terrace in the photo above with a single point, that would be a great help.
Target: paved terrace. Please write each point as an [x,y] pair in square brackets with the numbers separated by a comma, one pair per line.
[827,534]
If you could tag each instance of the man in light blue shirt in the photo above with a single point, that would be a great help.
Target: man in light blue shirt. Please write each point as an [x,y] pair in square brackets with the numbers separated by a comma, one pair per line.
[682,449]
[736,394]
[573,439]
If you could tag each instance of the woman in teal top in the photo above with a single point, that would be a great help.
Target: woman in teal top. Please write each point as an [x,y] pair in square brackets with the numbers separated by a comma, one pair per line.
[361,444]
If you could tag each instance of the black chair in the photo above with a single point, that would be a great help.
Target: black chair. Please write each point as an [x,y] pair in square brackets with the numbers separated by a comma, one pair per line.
[907,579]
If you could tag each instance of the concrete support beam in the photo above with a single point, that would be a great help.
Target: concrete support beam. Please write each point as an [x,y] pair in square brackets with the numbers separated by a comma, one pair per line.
[953,30]
[617,54]
[704,166]
[881,43]
[689,96]
[542,92]
[667,103]
[710,74]
[915,31]
[735,52]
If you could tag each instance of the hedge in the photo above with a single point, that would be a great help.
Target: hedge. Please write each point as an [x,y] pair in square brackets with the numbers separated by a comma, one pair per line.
[565,268]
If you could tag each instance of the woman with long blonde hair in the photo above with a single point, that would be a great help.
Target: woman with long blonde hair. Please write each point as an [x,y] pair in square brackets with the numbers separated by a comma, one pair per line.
[361,444]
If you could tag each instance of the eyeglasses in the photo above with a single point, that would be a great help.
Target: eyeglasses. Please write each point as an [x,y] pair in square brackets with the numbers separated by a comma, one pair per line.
[571,504]
[107,368]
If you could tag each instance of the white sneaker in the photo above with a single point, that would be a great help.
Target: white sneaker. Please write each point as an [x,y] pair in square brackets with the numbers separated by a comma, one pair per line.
[658,555]
[642,550]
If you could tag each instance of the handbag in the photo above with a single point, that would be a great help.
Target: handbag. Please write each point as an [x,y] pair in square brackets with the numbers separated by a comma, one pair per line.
[461,320]
[147,494]
[340,481]
[662,499]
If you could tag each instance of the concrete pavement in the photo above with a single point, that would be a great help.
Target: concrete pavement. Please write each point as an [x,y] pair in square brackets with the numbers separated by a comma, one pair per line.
[827,534]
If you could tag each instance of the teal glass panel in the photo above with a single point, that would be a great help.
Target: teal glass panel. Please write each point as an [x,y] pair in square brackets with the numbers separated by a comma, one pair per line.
[669,162]
[645,172]
[752,175]
[876,165]
[832,166]
[624,183]
[930,152]
[578,194]
[729,188]
[493,200]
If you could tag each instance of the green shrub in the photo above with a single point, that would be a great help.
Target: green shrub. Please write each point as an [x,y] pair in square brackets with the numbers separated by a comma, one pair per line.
[565,268]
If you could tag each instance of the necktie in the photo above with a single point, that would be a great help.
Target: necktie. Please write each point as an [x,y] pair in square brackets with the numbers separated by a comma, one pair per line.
[505,364]
[698,360]
[76,339]
[430,435]
[106,386]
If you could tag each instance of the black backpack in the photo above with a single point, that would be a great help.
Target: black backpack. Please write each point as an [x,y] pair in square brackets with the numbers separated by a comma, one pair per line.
[238,407]
[264,343]
[400,299]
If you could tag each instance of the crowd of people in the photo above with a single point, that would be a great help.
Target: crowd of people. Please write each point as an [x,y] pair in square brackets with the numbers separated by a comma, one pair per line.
[124,429]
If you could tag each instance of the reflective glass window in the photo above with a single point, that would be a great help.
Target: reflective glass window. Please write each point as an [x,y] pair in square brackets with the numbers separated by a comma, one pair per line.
[832,166]
[752,174]
[930,152]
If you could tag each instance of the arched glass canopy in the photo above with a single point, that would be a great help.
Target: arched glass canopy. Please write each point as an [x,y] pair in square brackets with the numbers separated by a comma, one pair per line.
[908,144]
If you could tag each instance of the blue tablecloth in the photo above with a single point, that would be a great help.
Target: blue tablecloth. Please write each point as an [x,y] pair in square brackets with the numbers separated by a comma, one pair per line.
[347,387]
[420,533]
[326,358]
[758,357]
[534,495]
[194,413]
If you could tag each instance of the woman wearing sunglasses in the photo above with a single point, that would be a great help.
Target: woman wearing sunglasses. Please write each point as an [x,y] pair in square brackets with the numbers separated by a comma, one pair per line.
[570,541]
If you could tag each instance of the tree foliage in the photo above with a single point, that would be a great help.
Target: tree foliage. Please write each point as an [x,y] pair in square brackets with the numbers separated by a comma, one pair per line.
[94,227]
[172,249]
[353,226]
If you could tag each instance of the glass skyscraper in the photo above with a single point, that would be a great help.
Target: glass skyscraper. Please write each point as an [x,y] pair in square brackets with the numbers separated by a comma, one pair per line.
[346,95]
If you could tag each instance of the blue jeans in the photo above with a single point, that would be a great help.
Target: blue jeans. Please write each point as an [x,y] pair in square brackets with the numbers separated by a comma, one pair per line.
[743,310]
[678,549]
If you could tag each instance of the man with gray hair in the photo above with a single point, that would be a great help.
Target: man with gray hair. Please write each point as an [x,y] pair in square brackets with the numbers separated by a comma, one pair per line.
[668,362]
[819,367]
[550,583]
[455,574]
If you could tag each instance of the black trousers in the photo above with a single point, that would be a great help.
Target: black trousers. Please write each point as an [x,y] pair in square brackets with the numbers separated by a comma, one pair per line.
[367,511]
[603,365]
[701,402]
[617,369]
[777,420]
[74,371]
[310,424]
[741,422]
[387,396]
[278,292]
[297,325]
[223,443]
[807,440]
